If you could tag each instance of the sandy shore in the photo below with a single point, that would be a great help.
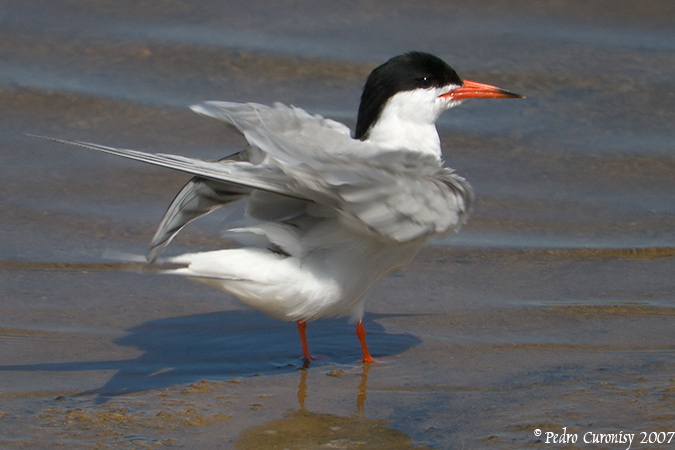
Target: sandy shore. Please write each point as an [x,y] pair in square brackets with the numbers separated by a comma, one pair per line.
[478,348]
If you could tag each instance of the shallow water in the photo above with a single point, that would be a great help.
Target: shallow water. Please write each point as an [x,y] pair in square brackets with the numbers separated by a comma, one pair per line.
[552,308]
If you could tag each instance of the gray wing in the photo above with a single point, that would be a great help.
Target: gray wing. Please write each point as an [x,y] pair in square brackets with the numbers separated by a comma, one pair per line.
[201,196]
[398,195]
[197,198]
[264,177]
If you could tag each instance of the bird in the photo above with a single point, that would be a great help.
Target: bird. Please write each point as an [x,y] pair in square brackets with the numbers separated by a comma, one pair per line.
[330,213]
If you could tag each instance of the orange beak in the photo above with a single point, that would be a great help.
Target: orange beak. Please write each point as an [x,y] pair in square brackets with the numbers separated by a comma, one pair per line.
[471,89]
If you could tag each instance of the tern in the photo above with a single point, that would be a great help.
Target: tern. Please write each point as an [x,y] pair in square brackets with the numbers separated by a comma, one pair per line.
[332,213]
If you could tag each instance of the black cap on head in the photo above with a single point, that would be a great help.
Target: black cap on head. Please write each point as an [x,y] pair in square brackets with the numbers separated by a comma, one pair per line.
[402,73]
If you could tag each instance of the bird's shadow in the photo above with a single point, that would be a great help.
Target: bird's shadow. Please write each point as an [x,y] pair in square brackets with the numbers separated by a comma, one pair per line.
[224,345]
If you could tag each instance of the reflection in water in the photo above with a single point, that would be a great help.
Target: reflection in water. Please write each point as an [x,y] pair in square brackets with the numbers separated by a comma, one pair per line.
[361,396]
[302,429]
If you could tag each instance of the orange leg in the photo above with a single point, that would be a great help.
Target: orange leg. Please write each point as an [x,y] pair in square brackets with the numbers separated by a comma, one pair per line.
[361,333]
[302,325]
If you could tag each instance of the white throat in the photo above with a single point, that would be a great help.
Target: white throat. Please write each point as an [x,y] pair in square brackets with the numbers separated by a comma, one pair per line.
[408,121]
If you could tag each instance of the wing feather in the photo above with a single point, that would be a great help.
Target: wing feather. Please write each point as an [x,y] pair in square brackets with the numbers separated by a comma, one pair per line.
[397,194]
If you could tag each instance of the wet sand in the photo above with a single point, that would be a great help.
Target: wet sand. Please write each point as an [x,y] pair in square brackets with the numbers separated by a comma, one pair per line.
[552,309]
[478,349]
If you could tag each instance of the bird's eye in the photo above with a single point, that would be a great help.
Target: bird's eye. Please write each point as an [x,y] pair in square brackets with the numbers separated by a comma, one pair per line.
[424,82]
